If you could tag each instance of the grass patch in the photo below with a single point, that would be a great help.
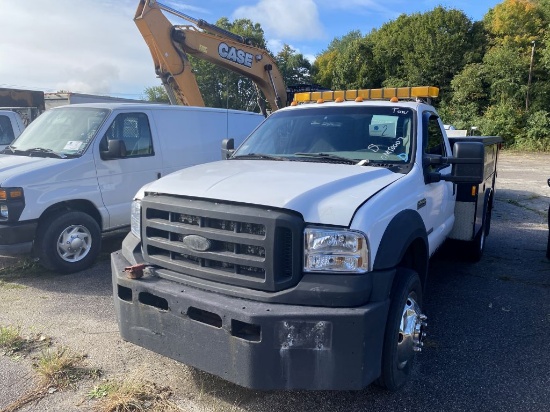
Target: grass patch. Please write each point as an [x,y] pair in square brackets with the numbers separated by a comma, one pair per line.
[132,395]
[60,368]
[11,340]
[10,286]
[21,268]
[13,344]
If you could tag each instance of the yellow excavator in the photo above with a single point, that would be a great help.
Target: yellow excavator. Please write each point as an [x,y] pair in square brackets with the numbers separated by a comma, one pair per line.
[170,46]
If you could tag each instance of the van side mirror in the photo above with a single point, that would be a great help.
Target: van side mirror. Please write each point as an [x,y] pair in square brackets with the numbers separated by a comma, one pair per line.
[116,149]
[468,164]
[228,147]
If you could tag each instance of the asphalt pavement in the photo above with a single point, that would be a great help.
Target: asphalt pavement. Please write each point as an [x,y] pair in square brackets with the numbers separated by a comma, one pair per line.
[487,347]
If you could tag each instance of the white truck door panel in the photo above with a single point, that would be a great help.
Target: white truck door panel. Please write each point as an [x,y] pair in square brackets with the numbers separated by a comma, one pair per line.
[438,211]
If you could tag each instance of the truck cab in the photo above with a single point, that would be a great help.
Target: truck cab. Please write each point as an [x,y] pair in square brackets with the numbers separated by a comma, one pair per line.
[300,262]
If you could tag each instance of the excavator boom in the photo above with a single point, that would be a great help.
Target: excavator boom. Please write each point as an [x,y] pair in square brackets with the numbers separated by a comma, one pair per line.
[170,45]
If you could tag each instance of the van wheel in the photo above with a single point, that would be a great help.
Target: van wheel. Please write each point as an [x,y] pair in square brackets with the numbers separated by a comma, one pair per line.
[404,330]
[69,242]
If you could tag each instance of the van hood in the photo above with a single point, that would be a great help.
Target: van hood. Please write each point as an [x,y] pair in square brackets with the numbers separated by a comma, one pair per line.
[13,167]
[321,192]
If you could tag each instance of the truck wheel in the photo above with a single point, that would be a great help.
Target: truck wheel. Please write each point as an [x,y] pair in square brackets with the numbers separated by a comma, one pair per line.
[475,248]
[404,330]
[69,242]
[488,214]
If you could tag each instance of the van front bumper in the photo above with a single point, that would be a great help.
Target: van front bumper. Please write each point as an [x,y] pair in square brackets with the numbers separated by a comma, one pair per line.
[253,344]
[17,238]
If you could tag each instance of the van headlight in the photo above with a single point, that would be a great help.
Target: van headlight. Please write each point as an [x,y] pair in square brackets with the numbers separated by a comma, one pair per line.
[135,218]
[335,250]
[12,203]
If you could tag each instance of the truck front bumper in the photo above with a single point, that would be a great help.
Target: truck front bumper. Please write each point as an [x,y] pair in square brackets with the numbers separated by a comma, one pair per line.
[17,238]
[253,344]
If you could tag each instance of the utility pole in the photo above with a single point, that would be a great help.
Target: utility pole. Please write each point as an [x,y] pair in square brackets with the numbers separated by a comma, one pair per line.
[530,75]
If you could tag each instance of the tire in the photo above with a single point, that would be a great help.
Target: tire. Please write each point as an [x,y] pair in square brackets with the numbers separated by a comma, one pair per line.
[489,214]
[404,330]
[474,249]
[68,242]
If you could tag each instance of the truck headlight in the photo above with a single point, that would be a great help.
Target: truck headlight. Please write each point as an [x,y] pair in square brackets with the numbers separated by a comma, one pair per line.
[335,250]
[135,218]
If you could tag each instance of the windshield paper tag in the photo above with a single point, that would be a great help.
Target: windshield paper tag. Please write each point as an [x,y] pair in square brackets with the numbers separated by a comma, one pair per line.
[73,145]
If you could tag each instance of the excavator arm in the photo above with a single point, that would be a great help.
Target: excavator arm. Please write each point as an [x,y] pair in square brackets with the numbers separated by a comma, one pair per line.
[170,45]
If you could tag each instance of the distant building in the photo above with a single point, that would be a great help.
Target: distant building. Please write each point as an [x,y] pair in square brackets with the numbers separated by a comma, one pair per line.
[63,98]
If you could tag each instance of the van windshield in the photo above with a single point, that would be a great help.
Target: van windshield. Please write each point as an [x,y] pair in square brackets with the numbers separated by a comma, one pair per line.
[59,133]
[373,134]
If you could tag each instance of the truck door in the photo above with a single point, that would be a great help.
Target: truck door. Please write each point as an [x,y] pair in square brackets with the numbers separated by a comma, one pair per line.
[140,162]
[438,213]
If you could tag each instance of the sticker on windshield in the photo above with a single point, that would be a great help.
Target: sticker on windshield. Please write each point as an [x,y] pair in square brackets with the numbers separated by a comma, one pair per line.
[73,145]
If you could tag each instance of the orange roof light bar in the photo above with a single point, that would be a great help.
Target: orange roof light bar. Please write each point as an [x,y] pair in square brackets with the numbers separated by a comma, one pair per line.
[370,94]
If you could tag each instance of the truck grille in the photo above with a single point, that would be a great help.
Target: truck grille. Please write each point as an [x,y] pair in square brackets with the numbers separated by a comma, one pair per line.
[244,246]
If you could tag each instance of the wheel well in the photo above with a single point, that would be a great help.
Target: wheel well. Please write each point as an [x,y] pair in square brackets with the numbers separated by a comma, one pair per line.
[84,206]
[416,258]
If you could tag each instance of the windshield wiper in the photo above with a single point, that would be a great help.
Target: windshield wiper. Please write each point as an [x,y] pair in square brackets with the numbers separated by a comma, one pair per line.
[43,150]
[328,156]
[258,156]
[10,148]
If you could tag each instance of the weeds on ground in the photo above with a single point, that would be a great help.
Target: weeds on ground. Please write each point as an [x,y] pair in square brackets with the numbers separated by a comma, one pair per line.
[10,286]
[21,268]
[11,340]
[132,395]
[58,368]
[13,344]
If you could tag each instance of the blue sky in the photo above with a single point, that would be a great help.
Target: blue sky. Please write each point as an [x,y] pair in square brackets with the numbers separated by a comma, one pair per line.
[93,46]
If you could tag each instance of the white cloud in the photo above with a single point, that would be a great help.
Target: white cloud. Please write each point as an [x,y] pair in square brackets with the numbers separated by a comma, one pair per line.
[285,19]
[275,45]
[76,45]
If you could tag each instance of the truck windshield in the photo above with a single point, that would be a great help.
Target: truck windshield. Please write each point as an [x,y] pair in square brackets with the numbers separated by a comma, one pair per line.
[59,133]
[373,134]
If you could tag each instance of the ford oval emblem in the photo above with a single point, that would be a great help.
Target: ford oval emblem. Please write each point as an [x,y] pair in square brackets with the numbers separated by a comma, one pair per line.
[198,243]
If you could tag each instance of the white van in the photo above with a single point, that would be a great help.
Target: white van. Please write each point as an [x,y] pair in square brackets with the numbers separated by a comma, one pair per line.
[72,174]
[11,126]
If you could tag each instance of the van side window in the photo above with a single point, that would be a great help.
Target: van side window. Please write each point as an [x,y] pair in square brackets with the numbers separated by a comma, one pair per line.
[6,131]
[134,130]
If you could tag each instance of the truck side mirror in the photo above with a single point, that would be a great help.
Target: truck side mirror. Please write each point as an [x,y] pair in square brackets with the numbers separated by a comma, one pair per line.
[228,147]
[468,164]
[116,149]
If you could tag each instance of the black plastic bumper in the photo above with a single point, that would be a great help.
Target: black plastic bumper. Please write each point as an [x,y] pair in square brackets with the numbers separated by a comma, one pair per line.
[17,238]
[253,344]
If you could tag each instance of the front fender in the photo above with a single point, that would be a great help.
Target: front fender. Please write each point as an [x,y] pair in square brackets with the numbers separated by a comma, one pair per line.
[405,228]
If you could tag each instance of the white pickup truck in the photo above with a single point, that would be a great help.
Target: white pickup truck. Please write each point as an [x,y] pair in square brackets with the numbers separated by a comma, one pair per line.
[11,126]
[300,262]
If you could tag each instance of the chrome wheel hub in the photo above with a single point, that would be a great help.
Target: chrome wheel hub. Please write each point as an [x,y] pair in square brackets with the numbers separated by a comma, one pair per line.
[411,333]
[74,243]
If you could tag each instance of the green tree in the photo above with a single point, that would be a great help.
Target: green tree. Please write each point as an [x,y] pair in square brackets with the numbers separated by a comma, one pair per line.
[294,67]
[353,70]
[324,67]
[426,49]
[156,94]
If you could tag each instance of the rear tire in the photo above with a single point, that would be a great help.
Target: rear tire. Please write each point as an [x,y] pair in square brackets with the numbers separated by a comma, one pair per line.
[474,249]
[404,330]
[68,242]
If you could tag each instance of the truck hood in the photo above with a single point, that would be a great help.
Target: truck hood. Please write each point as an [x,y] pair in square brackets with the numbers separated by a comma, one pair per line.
[323,193]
